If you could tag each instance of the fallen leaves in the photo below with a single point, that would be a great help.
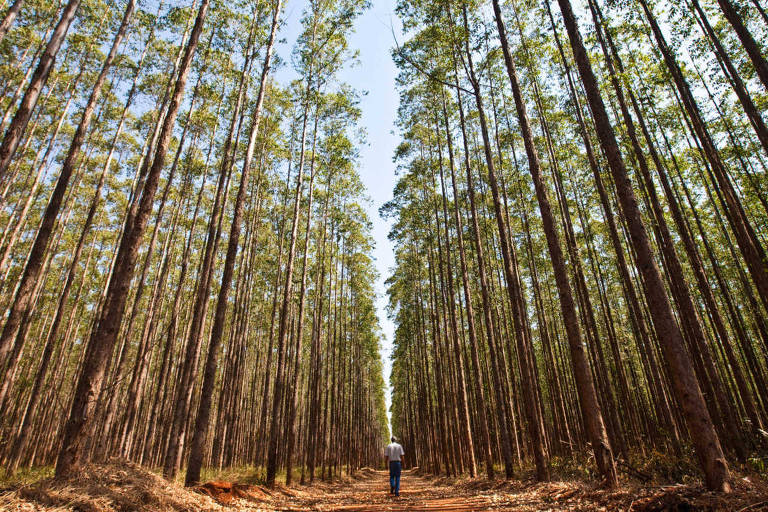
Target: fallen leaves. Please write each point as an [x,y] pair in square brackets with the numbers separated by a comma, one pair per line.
[121,486]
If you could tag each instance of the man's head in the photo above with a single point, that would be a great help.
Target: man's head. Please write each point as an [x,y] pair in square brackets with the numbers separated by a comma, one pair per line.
[394,439]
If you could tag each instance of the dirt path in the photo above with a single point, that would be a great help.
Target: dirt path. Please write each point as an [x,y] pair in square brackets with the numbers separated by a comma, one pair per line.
[371,494]
[120,485]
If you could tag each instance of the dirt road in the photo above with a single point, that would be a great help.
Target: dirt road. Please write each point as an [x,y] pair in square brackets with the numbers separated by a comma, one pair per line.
[371,494]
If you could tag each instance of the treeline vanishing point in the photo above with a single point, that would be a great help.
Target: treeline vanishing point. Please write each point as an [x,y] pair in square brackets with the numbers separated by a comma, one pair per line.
[579,226]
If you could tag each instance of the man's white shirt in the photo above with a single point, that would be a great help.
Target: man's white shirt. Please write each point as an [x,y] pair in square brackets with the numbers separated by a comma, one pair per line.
[393,452]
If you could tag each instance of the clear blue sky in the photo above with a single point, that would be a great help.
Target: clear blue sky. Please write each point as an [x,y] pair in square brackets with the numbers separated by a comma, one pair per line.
[375,73]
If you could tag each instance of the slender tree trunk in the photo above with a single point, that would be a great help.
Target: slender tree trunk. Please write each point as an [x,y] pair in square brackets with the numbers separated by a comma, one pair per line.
[751,248]
[272,453]
[53,333]
[684,380]
[745,36]
[188,368]
[10,15]
[291,417]
[528,379]
[103,338]
[506,446]
[699,274]
[589,404]
[450,299]
[209,376]
[754,115]
[17,127]
[21,305]
[484,422]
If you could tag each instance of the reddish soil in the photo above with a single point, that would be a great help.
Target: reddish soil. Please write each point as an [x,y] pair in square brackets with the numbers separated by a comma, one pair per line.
[370,493]
[227,492]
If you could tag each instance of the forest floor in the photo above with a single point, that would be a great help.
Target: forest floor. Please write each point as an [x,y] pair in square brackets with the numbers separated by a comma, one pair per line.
[122,486]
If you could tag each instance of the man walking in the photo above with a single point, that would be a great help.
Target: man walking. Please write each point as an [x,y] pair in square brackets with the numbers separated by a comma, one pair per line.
[394,454]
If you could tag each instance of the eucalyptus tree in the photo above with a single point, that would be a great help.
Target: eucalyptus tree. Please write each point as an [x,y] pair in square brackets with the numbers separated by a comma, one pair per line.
[685,383]
[104,335]
[660,299]
[204,409]
[17,321]
[323,50]
[589,403]
[133,346]
[9,16]
[658,253]
[18,125]
[751,46]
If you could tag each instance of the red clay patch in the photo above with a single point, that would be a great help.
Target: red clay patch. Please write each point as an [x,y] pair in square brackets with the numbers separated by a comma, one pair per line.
[225,492]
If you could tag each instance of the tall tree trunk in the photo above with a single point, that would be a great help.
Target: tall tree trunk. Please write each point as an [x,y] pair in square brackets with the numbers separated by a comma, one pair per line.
[754,115]
[751,248]
[526,371]
[17,127]
[448,297]
[291,416]
[10,15]
[745,36]
[684,380]
[103,338]
[21,305]
[209,376]
[272,446]
[53,333]
[188,368]
[506,446]
[282,335]
[685,301]
[484,422]
[633,303]
[589,404]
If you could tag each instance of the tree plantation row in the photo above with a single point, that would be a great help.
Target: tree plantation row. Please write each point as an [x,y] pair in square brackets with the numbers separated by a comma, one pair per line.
[185,253]
[580,227]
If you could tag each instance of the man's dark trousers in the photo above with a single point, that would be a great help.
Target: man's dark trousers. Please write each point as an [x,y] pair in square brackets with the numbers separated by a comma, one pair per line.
[395,467]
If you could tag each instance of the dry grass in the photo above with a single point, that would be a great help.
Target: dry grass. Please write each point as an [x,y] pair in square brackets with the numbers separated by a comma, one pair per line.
[113,487]
[750,493]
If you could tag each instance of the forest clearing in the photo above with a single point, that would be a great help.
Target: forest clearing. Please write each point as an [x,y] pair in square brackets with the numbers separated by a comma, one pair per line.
[268,254]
